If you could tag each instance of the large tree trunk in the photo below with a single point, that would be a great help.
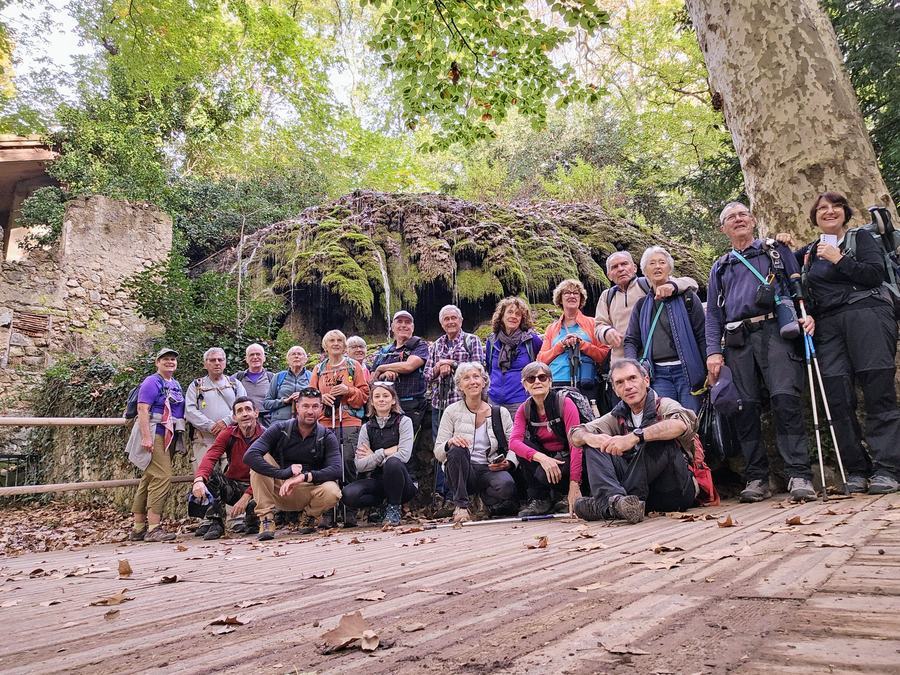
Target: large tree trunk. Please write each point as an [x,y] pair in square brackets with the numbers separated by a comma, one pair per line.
[790,108]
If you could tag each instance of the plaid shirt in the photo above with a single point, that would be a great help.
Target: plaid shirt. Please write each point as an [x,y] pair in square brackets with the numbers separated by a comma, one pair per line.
[465,347]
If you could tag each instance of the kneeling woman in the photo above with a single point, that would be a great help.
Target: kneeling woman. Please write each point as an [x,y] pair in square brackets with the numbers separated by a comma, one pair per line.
[540,437]
[475,448]
[384,447]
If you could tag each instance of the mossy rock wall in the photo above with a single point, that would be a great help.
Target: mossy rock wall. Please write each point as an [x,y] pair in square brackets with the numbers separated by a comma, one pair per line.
[331,261]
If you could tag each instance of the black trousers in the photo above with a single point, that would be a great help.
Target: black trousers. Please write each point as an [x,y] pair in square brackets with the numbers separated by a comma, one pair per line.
[497,489]
[766,360]
[227,491]
[539,486]
[658,474]
[858,346]
[414,409]
[393,483]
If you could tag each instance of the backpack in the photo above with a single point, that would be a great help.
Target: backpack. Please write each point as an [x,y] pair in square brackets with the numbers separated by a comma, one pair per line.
[242,374]
[499,433]
[882,230]
[727,259]
[388,351]
[553,407]
[131,403]
[642,283]
[351,370]
[318,452]
[489,351]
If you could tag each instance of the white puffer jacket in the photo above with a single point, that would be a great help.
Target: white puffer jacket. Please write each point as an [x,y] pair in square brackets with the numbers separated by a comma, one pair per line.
[458,420]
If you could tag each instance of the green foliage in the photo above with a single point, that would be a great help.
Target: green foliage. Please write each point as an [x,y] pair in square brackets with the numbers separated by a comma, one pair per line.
[869,35]
[463,66]
[476,285]
[43,213]
[486,180]
[198,313]
[585,183]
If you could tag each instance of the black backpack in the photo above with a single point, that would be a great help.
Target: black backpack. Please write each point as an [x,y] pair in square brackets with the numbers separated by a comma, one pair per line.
[554,406]
[132,403]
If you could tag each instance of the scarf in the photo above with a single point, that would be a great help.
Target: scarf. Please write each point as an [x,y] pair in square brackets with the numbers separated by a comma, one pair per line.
[509,346]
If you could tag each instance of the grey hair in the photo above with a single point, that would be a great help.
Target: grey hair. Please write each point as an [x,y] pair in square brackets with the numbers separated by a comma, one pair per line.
[465,368]
[618,254]
[212,350]
[356,341]
[255,344]
[618,364]
[334,332]
[534,368]
[300,347]
[653,250]
[730,205]
[446,309]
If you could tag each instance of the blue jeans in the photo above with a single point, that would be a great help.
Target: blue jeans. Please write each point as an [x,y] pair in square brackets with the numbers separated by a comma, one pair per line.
[669,381]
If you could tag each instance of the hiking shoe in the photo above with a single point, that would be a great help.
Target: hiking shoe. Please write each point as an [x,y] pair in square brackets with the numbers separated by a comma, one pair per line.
[629,508]
[326,522]
[266,530]
[460,515]
[857,483]
[137,535]
[392,515]
[588,508]
[309,523]
[562,506]
[252,527]
[238,526]
[882,484]
[157,534]
[801,489]
[350,518]
[756,491]
[215,531]
[203,529]
[537,507]
[375,516]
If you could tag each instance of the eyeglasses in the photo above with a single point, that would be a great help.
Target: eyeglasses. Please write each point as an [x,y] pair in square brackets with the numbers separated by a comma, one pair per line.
[540,377]
[572,291]
[829,207]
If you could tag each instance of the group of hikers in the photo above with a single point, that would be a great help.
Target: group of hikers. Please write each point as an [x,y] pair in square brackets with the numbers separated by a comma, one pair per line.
[515,419]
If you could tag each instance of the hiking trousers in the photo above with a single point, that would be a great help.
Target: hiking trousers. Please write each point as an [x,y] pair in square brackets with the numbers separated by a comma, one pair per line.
[313,499]
[393,483]
[658,474]
[497,489]
[768,361]
[227,491]
[153,489]
[858,346]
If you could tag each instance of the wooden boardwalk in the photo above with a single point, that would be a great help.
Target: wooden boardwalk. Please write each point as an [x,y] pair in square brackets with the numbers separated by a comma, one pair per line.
[761,596]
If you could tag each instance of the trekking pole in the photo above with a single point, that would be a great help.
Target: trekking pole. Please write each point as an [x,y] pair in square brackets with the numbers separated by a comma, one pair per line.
[812,396]
[343,457]
[811,351]
[496,521]
[334,510]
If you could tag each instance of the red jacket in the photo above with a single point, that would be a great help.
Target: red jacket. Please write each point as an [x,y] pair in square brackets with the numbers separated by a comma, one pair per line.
[236,470]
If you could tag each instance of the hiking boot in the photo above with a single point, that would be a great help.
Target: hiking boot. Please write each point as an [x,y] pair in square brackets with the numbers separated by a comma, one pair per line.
[588,508]
[562,506]
[327,520]
[350,518]
[857,483]
[215,531]
[157,534]
[392,515]
[203,529]
[801,489]
[461,515]
[537,507]
[308,524]
[266,530]
[375,516]
[137,535]
[756,491]
[882,484]
[629,508]
[238,526]
[251,527]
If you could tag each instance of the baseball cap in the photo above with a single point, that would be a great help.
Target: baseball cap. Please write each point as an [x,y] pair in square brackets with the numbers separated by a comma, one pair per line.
[404,314]
[165,351]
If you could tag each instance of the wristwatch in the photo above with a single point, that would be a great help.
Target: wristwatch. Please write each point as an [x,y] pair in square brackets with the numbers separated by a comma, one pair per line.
[639,432]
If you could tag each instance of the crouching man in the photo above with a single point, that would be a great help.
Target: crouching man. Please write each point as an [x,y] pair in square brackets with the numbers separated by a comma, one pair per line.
[233,486]
[635,456]
[295,466]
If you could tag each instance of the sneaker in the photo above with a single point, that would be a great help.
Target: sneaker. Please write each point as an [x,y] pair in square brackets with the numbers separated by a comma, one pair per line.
[158,534]
[392,515]
[266,529]
[137,535]
[882,484]
[857,483]
[629,508]
[215,531]
[309,524]
[801,489]
[588,508]
[537,507]
[350,518]
[461,515]
[756,491]
[203,529]
[238,527]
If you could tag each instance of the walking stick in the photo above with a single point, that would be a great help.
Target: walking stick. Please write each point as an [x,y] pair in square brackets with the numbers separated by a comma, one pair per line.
[340,416]
[812,395]
[496,521]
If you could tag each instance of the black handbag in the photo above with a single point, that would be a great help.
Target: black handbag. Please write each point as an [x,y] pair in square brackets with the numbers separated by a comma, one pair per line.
[716,434]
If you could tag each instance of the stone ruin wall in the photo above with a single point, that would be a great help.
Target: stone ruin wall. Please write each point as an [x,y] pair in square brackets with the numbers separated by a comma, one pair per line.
[69,300]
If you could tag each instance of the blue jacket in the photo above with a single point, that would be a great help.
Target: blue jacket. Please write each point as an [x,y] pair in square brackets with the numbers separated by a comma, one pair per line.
[507,387]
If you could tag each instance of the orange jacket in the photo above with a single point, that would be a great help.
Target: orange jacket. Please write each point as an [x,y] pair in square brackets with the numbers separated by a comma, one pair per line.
[357,396]
[595,349]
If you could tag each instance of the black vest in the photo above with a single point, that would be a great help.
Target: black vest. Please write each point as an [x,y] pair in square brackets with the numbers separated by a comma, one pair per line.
[384,438]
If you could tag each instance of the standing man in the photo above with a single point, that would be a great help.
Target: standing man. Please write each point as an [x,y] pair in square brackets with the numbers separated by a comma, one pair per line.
[741,308]
[285,388]
[452,348]
[256,379]
[208,403]
[233,486]
[403,362]
[295,466]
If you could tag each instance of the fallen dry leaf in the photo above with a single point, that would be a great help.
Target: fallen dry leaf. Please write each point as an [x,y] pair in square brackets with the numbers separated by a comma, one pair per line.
[181,548]
[169,580]
[350,627]
[49,603]
[9,603]
[412,627]
[322,575]
[593,546]
[663,563]
[778,529]
[591,587]
[125,570]
[691,517]
[728,522]
[116,599]
[369,641]
[663,548]
[622,649]
[355,540]
[111,614]
[224,630]
[372,596]
[457,526]
[798,520]
[228,621]
[829,543]
[542,542]
[438,592]
[410,530]
[250,603]
[725,552]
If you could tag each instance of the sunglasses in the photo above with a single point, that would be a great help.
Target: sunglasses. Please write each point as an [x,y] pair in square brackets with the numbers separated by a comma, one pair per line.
[310,392]
[383,383]
[540,377]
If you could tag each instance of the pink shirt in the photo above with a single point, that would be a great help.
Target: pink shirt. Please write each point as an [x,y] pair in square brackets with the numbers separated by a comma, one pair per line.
[547,438]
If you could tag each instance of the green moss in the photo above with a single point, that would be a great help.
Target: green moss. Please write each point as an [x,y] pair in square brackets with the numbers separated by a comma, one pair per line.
[477,285]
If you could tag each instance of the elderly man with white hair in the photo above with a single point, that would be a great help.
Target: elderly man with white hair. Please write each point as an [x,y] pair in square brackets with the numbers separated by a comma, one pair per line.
[256,378]
[286,387]
[207,404]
